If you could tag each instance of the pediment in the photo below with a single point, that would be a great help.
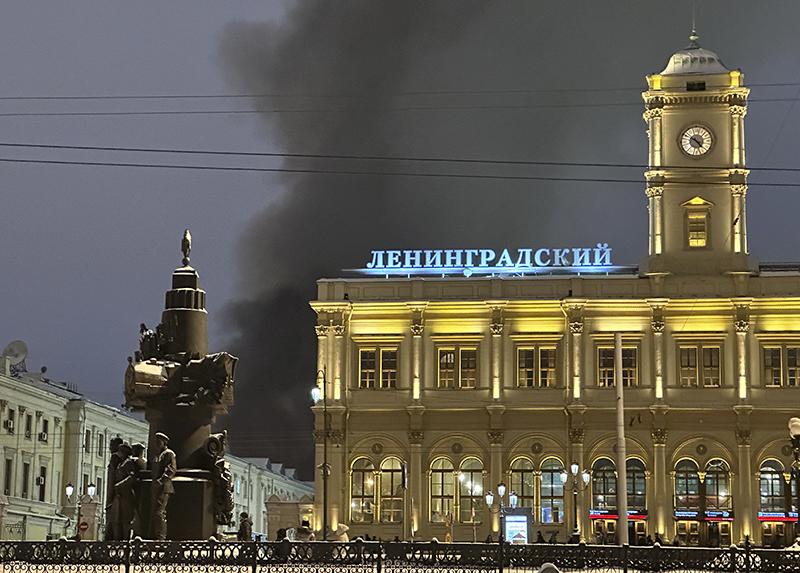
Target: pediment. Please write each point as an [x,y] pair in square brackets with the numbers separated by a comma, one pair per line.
[697,202]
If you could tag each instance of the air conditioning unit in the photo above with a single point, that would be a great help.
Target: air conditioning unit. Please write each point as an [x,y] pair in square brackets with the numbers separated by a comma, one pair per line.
[9,425]
[39,480]
[42,436]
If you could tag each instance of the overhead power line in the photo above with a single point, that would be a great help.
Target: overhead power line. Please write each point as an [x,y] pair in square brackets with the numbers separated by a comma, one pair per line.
[341,110]
[372,157]
[344,95]
[357,172]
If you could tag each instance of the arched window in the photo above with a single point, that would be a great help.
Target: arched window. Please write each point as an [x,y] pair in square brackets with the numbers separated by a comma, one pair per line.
[604,485]
[391,490]
[637,494]
[471,490]
[687,486]
[552,491]
[522,481]
[773,486]
[718,487]
[442,489]
[362,491]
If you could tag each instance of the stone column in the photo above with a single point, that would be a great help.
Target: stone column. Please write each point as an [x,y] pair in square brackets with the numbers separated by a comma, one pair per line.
[576,438]
[741,326]
[657,324]
[738,193]
[496,469]
[655,196]
[496,328]
[322,343]
[417,474]
[660,499]
[338,359]
[573,310]
[744,516]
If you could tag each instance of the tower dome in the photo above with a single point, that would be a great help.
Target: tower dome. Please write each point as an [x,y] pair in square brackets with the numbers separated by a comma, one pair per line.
[694,60]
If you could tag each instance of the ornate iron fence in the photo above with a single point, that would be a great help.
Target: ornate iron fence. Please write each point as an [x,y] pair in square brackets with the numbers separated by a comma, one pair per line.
[138,556]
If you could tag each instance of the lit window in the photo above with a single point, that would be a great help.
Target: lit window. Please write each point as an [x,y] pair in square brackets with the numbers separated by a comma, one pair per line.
[536,367]
[552,491]
[604,485]
[605,367]
[362,491]
[781,366]
[717,486]
[637,485]
[391,491]
[470,490]
[458,367]
[442,489]
[773,487]
[378,365]
[697,228]
[706,369]
[522,481]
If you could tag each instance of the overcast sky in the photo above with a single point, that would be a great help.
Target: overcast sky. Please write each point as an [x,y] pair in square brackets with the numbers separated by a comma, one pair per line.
[88,250]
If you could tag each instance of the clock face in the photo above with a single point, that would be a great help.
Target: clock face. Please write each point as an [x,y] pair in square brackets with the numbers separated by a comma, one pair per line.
[696,140]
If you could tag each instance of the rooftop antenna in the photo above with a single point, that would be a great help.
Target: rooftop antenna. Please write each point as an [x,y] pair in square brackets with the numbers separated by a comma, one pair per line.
[16,351]
[693,38]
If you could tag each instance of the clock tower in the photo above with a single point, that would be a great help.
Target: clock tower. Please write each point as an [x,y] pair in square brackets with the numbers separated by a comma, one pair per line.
[696,178]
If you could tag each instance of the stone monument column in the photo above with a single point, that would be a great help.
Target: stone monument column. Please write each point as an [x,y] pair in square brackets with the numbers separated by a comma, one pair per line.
[181,388]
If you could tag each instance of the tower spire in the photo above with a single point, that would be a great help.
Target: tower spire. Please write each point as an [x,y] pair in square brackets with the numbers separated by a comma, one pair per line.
[693,38]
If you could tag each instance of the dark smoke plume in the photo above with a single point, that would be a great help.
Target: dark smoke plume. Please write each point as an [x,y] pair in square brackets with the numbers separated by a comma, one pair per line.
[363,62]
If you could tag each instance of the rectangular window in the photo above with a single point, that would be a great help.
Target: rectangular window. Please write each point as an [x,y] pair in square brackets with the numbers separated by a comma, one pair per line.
[605,367]
[101,446]
[87,442]
[705,370]
[28,426]
[458,367]
[536,367]
[9,474]
[26,478]
[9,423]
[42,483]
[697,228]
[781,366]
[379,364]
[43,435]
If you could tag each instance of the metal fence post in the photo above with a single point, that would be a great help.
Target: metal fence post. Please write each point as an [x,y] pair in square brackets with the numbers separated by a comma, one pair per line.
[747,553]
[500,555]
[625,558]
[380,556]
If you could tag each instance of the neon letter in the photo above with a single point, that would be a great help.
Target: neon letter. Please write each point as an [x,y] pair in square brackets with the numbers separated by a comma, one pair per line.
[537,258]
[377,260]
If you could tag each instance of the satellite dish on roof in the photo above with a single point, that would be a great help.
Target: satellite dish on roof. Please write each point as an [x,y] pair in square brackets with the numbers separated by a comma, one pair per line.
[17,351]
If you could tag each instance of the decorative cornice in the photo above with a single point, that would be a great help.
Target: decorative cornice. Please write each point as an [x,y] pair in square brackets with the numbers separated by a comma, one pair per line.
[416,436]
[496,436]
[576,327]
[321,330]
[657,326]
[659,435]
[738,110]
[743,437]
[652,113]
[335,437]
[577,435]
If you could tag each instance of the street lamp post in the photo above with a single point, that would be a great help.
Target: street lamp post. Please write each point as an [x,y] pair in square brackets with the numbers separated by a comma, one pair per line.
[794,434]
[316,395]
[585,476]
[91,489]
[501,493]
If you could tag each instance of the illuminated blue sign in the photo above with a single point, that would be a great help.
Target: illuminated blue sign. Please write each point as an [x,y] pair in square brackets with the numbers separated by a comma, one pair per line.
[470,262]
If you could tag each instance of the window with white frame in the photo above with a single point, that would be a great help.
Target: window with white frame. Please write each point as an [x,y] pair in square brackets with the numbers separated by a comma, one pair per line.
[552,491]
[362,491]
[522,481]
[442,489]
[536,367]
[470,491]
[781,366]
[605,367]
[391,491]
[377,368]
[458,367]
[700,366]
